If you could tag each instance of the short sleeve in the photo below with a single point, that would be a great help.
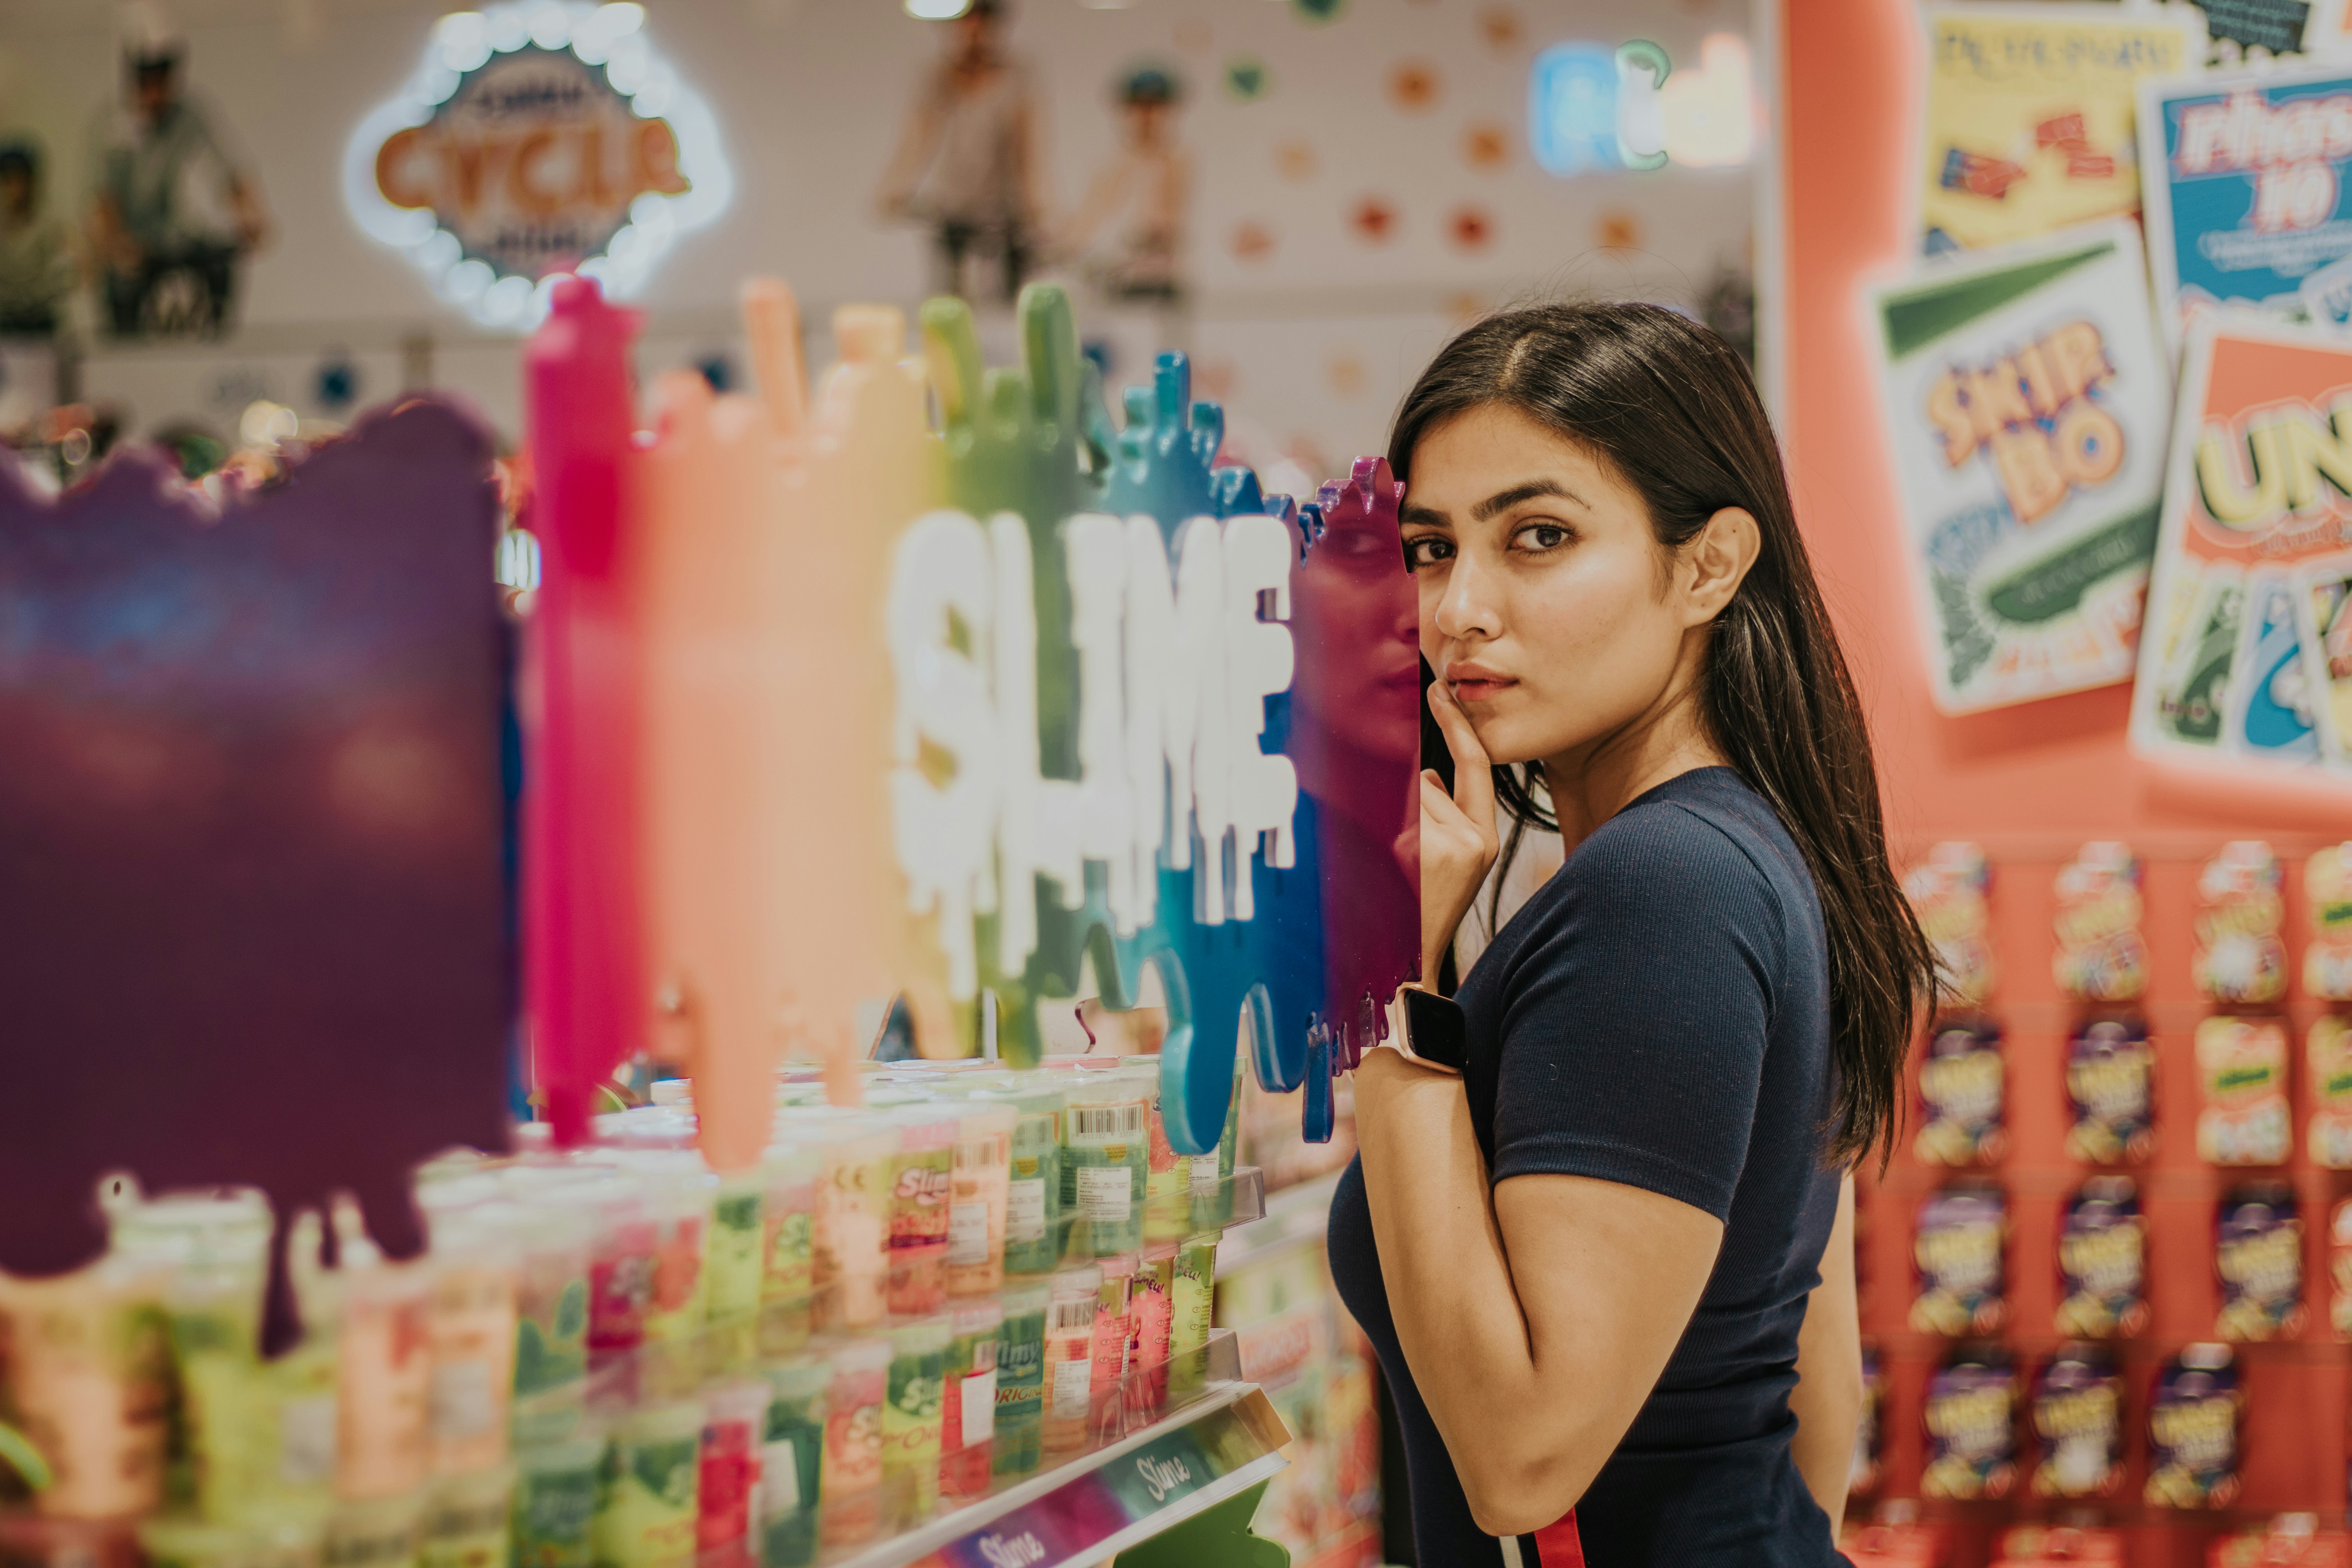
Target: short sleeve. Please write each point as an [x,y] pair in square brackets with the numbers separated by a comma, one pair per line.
[1634,1016]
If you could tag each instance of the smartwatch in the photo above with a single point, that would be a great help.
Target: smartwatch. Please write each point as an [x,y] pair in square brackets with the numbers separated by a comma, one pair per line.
[1428,1028]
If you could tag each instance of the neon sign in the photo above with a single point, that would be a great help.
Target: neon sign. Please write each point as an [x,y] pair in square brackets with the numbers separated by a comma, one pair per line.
[536,138]
[1591,106]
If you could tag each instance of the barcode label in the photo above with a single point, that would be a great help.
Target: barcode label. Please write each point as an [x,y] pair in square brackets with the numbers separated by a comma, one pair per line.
[1107,1123]
[1070,1313]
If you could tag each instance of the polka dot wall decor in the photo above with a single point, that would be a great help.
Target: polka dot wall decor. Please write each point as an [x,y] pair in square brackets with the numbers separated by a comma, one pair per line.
[1413,86]
[1470,228]
[1372,220]
[1296,160]
[1316,10]
[1501,28]
[1252,241]
[1345,373]
[1246,78]
[1618,231]
[1486,145]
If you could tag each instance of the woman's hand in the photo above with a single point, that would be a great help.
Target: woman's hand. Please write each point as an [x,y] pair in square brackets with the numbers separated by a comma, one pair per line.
[1458,842]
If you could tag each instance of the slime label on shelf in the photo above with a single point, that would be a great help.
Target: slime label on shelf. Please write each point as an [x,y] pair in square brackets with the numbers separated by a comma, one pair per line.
[2258,1252]
[1971,1420]
[2327,887]
[1948,891]
[1960,1082]
[2078,1420]
[2241,1073]
[2101,956]
[2111,1086]
[2192,1427]
[1128,712]
[2102,1262]
[286,706]
[1962,1231]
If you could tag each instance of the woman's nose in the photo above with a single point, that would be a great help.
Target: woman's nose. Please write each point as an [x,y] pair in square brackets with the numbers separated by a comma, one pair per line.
[1466,608]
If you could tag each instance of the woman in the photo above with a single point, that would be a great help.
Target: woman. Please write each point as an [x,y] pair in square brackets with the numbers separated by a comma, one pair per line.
[1610,1267]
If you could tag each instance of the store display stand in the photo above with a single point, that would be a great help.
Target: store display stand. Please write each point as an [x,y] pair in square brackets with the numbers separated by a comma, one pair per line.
[1221,1448]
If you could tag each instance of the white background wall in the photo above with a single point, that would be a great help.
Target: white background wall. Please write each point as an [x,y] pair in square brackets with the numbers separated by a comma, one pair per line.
[1310,347]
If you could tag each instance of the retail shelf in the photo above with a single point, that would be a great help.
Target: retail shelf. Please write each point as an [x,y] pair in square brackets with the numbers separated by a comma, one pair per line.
[1152,1477]
[1293,1216]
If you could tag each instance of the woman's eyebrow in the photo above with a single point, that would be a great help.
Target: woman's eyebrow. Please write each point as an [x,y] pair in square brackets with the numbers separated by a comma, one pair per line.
[1503,500]
[1428,517]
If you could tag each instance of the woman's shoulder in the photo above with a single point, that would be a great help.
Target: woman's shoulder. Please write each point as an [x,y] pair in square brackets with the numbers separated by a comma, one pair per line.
[1702,839]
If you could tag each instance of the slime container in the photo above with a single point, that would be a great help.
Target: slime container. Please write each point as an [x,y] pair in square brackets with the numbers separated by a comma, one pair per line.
[467,1519]
[734,1431]
[621,1265]
[682,1195]
[1106,1148]
[1033,1200]
[470,1316]
[912,1409]
[1961,1079]
[1192,1299]
[1212,1202]
[978,1191]
[733,1267]
[86,1381]
[647,1501]
[1021,1379]
[553,1240]
[1113,1329]
[1069,1359]
[554,1515]
[788,1176]
[853,1224]
[1151,1309]
[791,1459]
[2259,1255]
[968,1400]
[383,1377]
[921,1178]
[376,1532]
[1167,1176]
[850,1480]
[2111,1086]
[1962,1231]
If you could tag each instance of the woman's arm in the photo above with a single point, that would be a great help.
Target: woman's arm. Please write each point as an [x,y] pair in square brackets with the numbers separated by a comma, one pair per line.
[1827,1401]
[1535,1326]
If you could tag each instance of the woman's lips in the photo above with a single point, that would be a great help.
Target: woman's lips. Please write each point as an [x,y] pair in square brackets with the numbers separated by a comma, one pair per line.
[1479,688]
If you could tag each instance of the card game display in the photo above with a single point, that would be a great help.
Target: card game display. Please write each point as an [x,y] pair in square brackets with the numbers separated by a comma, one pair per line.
[2192,1424]
[2102,1262]
[1971,1418]
[2241,1065]
[1949,892]
[1962,1233]
[2027,399]
[1960,1086]
[2328,892]
[2327,1062]
[2029,114]
[2258,1252]
[2243,187]
[2240,957]
[2111,1090]
[2247,657]
[2101,956]
[2078,1425]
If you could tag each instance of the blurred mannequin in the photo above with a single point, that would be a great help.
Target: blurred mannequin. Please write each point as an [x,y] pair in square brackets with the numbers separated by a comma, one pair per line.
[1145,188]
[173,207]
[966,163]
[37,260]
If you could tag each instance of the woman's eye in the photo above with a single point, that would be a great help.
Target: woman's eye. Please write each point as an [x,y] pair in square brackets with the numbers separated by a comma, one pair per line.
[1426,550]
[1543,536]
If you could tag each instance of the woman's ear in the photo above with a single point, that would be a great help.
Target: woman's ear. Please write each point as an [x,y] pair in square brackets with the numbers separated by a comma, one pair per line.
[1716,561]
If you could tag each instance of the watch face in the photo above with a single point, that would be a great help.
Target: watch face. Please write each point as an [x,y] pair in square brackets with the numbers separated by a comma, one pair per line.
[1435,1028]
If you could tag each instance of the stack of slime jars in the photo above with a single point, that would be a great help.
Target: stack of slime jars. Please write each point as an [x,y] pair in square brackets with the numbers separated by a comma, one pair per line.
[614,1358]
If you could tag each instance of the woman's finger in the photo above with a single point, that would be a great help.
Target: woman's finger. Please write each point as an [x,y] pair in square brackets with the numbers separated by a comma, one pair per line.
[1473,775]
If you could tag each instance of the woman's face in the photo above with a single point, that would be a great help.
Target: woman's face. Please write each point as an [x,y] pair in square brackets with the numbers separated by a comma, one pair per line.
[1547,604]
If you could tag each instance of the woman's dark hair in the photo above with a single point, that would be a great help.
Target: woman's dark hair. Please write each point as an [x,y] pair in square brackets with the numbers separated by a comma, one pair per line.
[1668,406]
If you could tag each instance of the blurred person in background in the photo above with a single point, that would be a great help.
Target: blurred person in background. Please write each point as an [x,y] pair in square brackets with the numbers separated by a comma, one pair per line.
[174,206]
[37,269]
[1145,188]
[967,162]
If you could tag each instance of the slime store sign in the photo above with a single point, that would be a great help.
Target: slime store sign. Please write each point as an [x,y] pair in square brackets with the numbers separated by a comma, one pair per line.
[536,139]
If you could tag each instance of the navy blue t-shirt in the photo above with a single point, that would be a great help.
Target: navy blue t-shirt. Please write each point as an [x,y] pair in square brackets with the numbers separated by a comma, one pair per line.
[1658,1014]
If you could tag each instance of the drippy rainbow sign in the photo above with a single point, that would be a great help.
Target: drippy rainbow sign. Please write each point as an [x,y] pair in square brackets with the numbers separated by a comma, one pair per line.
[965,711]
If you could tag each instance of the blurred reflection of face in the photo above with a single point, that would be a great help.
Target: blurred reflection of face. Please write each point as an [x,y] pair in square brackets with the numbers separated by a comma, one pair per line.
[16,194]
[152,93]
[1353,618]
